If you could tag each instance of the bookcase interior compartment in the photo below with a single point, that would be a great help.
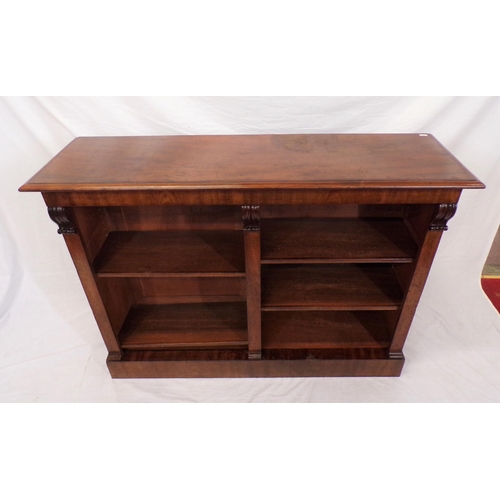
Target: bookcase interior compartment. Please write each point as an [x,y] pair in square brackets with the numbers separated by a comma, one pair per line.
[115,234]
[171,253]
[186,326]
[336,240]
[330,287]
[326,329]
[161,313]
[333,278]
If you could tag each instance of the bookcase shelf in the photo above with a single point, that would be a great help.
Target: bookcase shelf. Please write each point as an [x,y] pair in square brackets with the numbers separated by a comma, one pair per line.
[185,326]
[324,329]
[330,287]
[253,256]
[171,253]
[302,241]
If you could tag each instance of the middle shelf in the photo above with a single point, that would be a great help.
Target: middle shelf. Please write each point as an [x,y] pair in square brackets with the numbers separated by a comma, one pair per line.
[330,287]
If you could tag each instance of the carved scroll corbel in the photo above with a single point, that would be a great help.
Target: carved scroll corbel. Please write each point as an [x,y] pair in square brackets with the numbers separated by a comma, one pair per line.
[251,217]
[442,215]
[61,217]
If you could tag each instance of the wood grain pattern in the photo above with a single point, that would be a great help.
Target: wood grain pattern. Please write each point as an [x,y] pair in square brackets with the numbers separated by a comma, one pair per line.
[416,286]
[94,226]
[329,287]
[176,218]
[251,236]
[177,326]
[156,253]
[118,296]
[268,196]
[191,288]
[344,211]
[324,329]
[336,240]
[88,279]
[252,161]
[274,363]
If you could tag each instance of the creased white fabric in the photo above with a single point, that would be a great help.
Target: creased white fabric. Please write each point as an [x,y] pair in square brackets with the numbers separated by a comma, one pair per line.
[50,347]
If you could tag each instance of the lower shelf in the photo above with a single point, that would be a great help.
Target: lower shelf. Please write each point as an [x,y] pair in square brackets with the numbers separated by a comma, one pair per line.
[324,329]
[333,286]
[185,326]
[275,363]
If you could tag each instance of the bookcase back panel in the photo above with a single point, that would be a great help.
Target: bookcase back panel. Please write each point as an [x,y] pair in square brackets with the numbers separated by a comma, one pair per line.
[163,218]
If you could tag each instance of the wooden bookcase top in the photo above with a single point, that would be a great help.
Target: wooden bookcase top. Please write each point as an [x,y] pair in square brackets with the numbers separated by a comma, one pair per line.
[253,162]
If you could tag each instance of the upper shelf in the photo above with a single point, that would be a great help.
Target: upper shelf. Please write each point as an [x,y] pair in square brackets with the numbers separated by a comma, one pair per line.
[337,161]
[300,241]
[171,253]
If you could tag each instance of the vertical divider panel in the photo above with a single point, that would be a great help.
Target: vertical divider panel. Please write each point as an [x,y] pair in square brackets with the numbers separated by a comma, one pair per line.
[251,237]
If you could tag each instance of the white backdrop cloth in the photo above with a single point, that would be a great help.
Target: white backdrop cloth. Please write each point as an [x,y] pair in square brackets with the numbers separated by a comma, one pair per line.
[50,347]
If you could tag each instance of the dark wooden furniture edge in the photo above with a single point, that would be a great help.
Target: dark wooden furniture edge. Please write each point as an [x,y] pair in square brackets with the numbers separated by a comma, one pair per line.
[100,188]
[74,167]
[255,368]
[252,197]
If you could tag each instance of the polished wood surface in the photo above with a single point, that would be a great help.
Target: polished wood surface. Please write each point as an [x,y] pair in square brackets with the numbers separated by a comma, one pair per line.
[274,363]
[333,287]
[188,288]
[336,240]
[173,218]
[253,256]
[192,326]
[324,329]
[251,235]
[261,197]
[94,295]
[156,253]
[252,161]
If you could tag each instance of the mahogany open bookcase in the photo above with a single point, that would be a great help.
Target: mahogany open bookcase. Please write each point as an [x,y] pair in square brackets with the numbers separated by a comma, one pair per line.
[253,256]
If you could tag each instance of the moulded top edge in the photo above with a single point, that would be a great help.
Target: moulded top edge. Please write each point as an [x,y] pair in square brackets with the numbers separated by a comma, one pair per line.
[32,187]
[312,161]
